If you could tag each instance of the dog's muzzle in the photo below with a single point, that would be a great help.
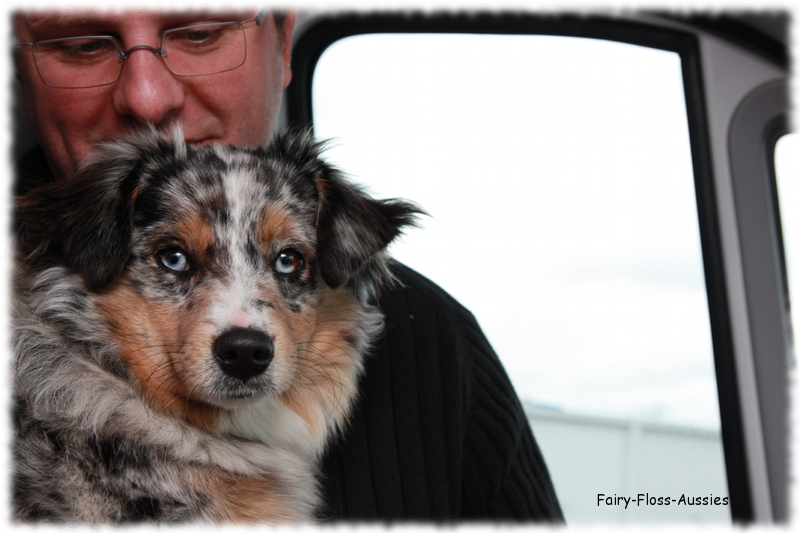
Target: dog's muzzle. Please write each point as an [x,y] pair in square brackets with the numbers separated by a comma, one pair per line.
[243,353]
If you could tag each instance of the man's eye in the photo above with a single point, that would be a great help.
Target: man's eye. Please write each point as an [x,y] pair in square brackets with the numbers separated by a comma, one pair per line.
[77,48]
[200,38]
[174,259]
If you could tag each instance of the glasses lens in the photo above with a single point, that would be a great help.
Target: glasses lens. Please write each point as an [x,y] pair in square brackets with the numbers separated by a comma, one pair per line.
[77,62]
[204,49]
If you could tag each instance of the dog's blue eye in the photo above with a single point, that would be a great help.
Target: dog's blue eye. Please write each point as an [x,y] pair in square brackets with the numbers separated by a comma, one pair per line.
[174,260]
[288,262]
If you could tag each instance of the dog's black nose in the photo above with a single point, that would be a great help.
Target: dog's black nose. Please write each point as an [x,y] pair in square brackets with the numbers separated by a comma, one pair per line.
[243,353]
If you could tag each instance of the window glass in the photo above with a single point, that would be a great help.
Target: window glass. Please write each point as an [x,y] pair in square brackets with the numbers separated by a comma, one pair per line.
[787,175]
[558,177]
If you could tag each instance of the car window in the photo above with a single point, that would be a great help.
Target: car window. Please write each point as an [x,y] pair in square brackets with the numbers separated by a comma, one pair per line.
[557,172]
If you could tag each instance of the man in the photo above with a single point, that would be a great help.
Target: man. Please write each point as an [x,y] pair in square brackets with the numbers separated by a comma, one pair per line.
[438,433]
[238,106]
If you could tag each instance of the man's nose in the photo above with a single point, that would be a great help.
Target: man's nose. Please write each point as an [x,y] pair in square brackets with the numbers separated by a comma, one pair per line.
[147,91]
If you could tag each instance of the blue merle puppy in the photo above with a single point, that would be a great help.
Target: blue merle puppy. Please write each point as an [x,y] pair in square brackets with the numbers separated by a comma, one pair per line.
[189,326]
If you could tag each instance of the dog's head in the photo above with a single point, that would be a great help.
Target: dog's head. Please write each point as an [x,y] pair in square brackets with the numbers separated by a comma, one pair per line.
[212,264]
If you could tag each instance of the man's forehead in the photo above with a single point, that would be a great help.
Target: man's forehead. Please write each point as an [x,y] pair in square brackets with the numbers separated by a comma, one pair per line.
[41,22]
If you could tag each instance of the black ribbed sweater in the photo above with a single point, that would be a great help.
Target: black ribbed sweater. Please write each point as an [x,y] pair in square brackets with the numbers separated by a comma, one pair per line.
[438,433]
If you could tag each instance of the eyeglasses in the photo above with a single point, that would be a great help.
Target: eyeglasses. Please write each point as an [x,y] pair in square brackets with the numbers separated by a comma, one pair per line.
[97,60]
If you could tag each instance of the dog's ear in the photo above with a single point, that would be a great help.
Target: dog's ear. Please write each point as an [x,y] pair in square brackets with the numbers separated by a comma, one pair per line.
[82,221]
[85,221]
[352,228]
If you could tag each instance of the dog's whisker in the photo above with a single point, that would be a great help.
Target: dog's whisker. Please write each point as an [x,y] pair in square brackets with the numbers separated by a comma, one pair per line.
[324,370]
[350,353]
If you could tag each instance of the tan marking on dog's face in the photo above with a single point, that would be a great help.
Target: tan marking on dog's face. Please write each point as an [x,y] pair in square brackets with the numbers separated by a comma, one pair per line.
[152,345]
[275,224]
[196,232]
[329,380]
[290,331]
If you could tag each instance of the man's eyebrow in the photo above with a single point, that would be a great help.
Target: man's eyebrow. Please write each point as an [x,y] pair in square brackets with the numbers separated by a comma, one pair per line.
[47,24]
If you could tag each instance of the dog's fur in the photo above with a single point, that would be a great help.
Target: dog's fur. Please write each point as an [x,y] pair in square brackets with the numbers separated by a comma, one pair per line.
[123,408]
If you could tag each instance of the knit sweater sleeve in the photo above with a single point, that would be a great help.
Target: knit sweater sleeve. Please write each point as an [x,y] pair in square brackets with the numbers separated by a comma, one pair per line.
[504,473]
[438,433]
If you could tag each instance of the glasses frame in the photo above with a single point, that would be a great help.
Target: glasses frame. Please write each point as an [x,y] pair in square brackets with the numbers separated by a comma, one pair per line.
[123,55]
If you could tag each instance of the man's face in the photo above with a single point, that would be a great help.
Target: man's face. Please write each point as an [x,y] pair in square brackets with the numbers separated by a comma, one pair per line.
[236,107]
